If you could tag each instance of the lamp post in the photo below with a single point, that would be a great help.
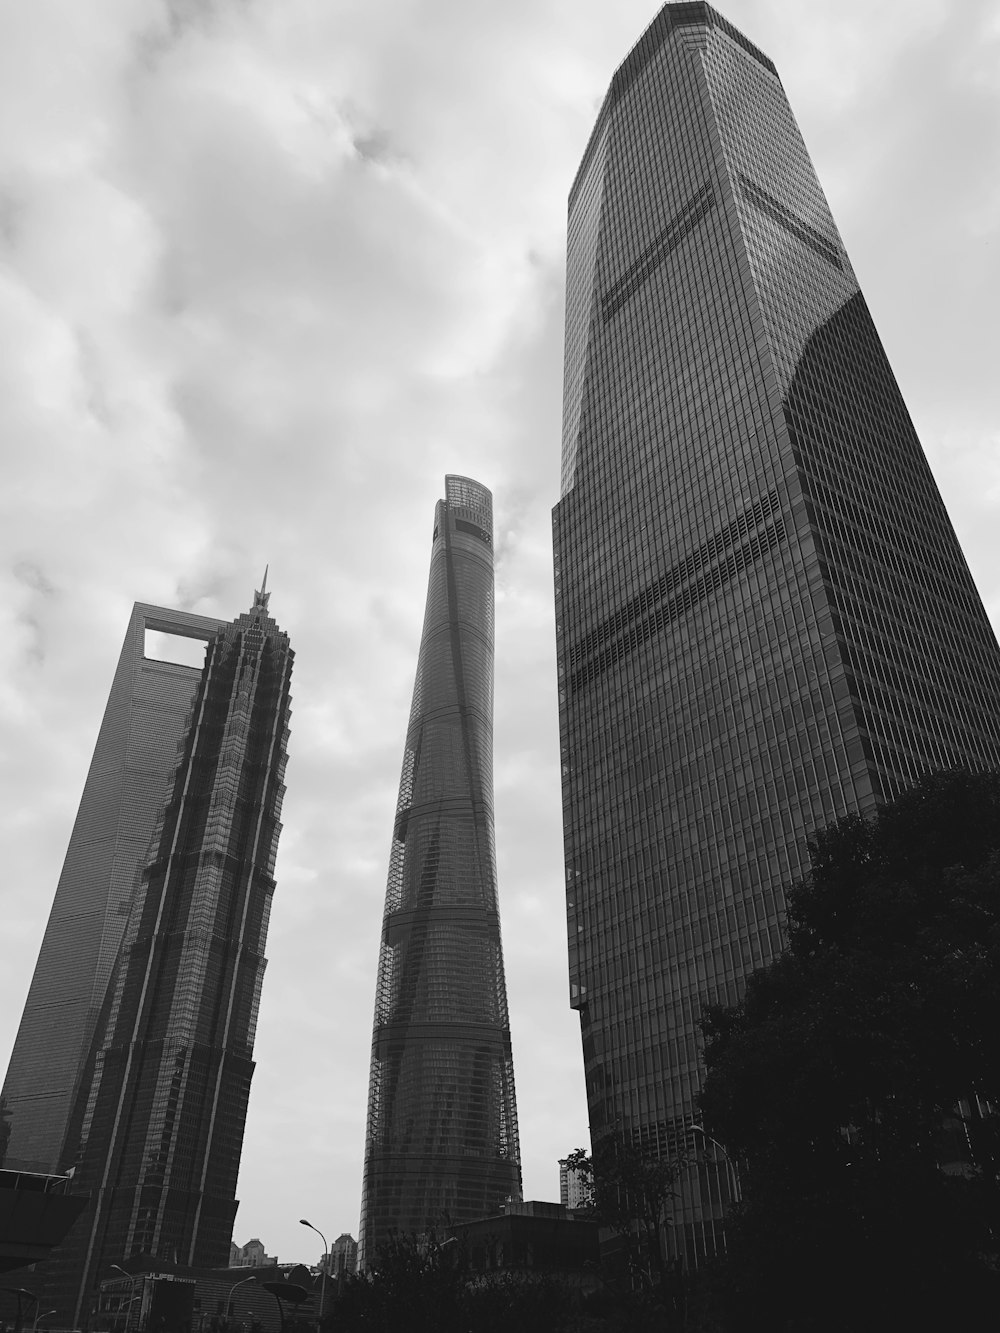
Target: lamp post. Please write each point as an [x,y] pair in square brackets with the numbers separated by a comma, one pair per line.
[323,1267]
[128,1309]
[229,1298]
[19,1292]
[41,1316]
[734,1180]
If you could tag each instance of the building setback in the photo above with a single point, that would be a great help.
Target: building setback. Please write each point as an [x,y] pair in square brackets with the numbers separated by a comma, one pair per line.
[134,757]
[156,1131]
[442,1141]
[764,618]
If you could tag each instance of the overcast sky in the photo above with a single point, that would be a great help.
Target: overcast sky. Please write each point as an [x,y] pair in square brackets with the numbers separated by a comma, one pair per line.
[268,270]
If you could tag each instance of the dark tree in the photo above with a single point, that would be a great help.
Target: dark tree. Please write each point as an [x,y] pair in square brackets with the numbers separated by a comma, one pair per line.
[427,1287]
[633,1193]
[413,1285]
[857,1080]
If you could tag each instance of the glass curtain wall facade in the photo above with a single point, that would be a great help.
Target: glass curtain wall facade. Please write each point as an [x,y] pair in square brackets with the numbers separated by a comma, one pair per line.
[764,618]
[442,1142]
[134,757]
[156,1131]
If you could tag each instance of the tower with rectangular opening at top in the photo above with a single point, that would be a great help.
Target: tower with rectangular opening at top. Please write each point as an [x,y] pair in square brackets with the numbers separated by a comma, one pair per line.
[155,1131]
[134,757]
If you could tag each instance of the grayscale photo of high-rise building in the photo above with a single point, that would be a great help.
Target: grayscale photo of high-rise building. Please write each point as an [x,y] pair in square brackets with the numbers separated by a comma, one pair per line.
[682,683]
[442,1141]
[764,618]
[136,750]
[154,1130]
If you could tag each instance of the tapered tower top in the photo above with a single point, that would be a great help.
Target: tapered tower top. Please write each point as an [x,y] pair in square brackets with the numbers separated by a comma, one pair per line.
[442,1119]
[261,596]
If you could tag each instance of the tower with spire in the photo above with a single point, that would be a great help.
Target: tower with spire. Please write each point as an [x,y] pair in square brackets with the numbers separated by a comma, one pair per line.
[156,1129]
[261,596]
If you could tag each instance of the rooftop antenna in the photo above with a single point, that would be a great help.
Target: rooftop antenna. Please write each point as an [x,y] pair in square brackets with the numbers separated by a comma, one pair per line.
[261,596]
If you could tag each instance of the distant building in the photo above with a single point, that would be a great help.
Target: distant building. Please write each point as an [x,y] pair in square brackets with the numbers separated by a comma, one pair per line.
[250,1255]
[575,1189]
[342,1260]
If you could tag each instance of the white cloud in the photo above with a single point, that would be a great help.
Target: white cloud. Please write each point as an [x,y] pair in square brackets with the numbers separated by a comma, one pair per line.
[268,270]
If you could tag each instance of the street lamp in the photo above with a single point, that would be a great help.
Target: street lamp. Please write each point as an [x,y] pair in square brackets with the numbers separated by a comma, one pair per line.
[41,1316]
[128,1310]
[229,1298]
[734,1180]
[19,1292]
[323,1267]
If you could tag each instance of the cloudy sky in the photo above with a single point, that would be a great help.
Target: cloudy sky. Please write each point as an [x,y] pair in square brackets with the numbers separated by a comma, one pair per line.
[268,270]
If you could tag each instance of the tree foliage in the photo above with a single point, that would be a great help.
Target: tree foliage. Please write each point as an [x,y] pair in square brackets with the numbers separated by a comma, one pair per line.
[632,1193]
[855,1079]
[416,1285]
[427,1286]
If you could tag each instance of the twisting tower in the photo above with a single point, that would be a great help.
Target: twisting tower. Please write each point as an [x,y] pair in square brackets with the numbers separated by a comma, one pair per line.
[442,1123]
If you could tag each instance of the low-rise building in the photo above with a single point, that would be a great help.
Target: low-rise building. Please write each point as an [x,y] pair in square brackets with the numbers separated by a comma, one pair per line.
[149,1295]
[533,1237]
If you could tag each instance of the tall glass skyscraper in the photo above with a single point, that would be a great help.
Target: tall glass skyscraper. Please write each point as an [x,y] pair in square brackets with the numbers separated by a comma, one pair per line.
[156,1129]
[764,618]
[133,760]
[442,1139]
